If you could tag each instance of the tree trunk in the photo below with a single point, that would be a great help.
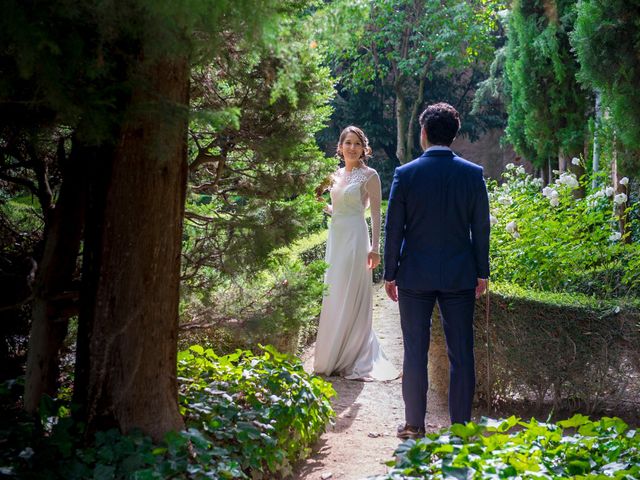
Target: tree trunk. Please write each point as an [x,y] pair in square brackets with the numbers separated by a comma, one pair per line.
[55,274]
[127,339]
[562,160]
[403,155]
[413,117]
[596,140]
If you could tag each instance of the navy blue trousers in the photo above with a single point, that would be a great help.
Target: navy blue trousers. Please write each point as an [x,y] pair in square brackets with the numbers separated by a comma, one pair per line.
[456,308]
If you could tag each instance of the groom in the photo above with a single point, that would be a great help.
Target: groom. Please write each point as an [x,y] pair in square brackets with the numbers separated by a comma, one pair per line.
[437,250]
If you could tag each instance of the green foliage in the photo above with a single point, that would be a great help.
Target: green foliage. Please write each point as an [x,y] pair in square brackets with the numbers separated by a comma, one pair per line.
[547,107]
[605,40]
[451,35]
[548,239]
[265,411]
[276,305]
[247,417]
[512,448]
[254,160]
[393,56]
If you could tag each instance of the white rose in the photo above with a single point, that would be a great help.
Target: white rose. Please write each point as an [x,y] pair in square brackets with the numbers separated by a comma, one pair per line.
[624,181]
[493,219]
[555,201]
[575,161]
[608,191]
[546,191]
[510,166]
[511,226]
[615,236]
[620,198]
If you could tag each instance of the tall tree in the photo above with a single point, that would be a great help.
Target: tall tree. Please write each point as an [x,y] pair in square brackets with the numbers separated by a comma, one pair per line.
[547,108]
[405,44]
[114,78]
[605,39]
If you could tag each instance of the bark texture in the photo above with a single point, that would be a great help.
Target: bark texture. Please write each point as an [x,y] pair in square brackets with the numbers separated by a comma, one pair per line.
[53,298]
[127,345]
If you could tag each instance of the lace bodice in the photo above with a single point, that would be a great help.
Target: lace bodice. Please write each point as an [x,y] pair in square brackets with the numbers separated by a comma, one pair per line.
[352,191]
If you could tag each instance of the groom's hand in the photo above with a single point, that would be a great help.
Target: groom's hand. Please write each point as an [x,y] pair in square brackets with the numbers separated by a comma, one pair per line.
[481,287]
[392,290]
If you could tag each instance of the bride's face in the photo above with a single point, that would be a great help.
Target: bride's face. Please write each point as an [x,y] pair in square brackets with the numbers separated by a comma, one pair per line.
[352,148]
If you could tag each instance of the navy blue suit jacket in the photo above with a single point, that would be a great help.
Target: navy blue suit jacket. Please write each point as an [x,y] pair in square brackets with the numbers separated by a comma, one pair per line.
[437,224]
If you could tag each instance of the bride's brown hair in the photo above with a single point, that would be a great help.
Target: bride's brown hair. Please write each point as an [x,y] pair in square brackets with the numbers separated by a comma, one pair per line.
[366,149]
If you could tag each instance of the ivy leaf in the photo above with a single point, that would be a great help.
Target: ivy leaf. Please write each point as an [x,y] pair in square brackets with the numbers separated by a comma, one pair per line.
[576,421]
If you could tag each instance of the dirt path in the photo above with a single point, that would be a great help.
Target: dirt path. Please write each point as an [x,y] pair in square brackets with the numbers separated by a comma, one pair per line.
[367,413]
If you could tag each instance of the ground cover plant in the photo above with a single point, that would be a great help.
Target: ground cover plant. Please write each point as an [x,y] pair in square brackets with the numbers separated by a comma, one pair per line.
[246,416]
[574,448]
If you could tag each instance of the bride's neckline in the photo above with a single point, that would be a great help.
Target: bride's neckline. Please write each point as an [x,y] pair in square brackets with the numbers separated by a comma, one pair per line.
[359,167]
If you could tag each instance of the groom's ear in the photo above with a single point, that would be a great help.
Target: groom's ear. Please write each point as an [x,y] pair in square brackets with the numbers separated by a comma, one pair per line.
[423,138]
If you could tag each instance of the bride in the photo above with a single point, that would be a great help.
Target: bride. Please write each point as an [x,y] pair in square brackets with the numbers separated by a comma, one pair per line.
[346,344]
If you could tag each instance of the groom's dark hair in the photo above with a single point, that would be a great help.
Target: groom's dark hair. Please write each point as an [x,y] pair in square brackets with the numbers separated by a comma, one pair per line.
[441,122]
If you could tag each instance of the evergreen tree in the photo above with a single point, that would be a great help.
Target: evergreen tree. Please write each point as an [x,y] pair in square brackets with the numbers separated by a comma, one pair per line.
[547,112]
[605,39]
[94,121]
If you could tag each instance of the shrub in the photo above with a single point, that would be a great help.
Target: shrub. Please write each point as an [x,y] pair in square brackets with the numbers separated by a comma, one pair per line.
[274,306]
[511,448]
[247,416]
[573,349]
[548,239]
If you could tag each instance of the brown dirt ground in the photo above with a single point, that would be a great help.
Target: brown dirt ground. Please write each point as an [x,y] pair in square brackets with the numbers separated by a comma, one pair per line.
[367,413]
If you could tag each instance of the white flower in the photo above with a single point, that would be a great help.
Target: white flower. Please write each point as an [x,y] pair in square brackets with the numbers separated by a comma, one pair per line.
[568,179]
[555,201]
[520,170]
[624,181]
[620,198]
[505,200]
[512,226]
[550,193]
[575,161]
[509,166]
[516,234]
[493,219]
[599,194]
[615,236]
[537,182]
[617,309]
[608,191]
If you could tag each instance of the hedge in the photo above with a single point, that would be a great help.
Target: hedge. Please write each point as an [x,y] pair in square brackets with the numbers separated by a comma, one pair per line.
[573,350]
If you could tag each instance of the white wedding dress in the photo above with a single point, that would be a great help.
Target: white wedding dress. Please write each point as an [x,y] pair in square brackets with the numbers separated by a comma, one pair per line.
[346,344]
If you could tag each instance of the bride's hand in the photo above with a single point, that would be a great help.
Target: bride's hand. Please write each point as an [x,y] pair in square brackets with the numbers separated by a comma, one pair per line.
[373,260]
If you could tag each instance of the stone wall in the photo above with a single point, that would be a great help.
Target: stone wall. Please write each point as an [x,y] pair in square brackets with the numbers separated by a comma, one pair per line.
[488,152]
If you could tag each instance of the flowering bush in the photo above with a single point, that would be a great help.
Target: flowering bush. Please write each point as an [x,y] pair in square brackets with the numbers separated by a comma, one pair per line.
[550,239]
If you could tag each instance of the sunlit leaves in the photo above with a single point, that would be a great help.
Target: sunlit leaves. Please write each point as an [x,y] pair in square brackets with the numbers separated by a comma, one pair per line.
[261,411]
[516,449]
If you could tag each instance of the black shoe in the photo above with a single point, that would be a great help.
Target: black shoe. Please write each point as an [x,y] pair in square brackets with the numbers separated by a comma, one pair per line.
[409,431]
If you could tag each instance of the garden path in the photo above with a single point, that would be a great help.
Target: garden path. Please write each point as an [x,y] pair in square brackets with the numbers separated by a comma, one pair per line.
[367,413]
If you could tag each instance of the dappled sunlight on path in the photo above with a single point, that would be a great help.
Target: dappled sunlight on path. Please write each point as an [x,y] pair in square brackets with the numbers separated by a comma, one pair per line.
[367,413]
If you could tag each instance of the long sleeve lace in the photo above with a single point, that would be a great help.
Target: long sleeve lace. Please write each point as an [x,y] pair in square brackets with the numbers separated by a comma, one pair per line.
[374,192]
